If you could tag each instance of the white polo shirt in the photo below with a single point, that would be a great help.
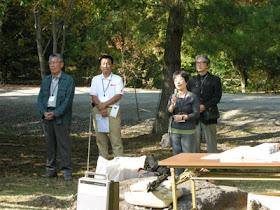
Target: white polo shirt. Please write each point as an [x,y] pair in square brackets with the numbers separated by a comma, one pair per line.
[106,88]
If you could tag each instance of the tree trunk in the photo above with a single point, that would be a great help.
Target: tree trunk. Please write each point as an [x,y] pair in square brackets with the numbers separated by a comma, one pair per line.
[244,78]
[172,62]
[243,74]
[54,29]
[64,27]
[39,41]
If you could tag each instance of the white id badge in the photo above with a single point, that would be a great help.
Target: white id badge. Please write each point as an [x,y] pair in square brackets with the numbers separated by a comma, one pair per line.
[114,111]
[51,99]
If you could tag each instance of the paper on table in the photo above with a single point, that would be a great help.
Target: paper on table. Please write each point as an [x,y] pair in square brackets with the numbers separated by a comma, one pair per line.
[211,157]
[275,157]
[235,155]
[102,123]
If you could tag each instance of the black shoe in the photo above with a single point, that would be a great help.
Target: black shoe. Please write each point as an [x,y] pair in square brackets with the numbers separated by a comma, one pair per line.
[49,175]
[68,177]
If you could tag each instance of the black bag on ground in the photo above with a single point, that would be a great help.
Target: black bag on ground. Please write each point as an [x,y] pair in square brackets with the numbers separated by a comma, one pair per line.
[154,167]
[211,113]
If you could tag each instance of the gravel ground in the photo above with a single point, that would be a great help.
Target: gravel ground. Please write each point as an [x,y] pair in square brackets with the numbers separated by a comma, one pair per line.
[18,108]
[19,112]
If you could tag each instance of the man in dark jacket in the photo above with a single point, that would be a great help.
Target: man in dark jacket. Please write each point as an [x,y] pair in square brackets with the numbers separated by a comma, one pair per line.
[55,105]
[208,89]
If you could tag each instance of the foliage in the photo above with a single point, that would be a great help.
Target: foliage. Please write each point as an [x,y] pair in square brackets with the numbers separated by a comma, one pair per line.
[235,35]
[17,55]
[107,27]
[240,37]
[3,5]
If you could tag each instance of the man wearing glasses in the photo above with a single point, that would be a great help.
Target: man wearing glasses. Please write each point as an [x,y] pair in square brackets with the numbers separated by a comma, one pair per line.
[208,89]
[55,105]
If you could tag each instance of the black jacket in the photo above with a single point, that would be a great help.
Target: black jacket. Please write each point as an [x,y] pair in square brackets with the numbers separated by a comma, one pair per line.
[209,92]
[188,106]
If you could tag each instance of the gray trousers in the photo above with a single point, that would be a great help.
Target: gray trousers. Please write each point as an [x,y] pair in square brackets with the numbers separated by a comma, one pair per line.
[209,132]
[57,137]
[181,143]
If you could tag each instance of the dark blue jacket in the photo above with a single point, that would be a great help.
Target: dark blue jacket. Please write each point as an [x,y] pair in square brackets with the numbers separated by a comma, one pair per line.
[64,100]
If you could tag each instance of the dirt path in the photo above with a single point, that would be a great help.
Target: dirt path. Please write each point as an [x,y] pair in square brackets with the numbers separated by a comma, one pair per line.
[239,112]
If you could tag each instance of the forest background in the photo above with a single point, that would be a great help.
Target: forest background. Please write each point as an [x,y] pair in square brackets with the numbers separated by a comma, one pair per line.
[149,39]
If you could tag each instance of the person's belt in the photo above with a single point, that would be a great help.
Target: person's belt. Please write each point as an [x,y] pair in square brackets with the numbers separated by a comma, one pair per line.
[51,108]
[93,105]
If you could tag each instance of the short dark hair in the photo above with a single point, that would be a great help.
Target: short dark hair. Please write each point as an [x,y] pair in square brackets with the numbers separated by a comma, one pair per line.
[182,74]
[106,57]
[207,60]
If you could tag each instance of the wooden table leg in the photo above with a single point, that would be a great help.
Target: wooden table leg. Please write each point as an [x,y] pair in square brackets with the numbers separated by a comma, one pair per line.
[193,194]
[175,205]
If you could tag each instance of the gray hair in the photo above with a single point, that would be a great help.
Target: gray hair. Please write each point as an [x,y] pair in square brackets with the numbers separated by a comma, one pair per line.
[207,60]
[56,55]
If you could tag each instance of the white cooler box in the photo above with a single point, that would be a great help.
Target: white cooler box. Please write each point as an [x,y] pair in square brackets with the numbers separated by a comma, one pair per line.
[98,193]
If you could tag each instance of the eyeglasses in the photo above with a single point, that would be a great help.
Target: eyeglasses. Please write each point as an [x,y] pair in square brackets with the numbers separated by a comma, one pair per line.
[200,63]
[54,62]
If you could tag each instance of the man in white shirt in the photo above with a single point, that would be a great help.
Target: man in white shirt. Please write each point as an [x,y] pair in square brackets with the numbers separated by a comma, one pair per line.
[106,92]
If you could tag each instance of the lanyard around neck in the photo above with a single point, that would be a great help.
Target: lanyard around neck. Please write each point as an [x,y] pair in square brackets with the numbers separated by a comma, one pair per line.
[104,90]
[202,82]
[53,89]
[180,104]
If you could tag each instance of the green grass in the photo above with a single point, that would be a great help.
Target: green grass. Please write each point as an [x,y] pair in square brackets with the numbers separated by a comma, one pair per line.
[25,192]
[22,162]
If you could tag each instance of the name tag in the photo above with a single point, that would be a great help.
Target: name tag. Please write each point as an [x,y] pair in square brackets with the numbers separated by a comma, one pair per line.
[51,99]
[114,111]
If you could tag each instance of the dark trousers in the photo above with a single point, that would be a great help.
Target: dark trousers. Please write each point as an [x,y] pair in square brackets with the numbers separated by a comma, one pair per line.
[57,137]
